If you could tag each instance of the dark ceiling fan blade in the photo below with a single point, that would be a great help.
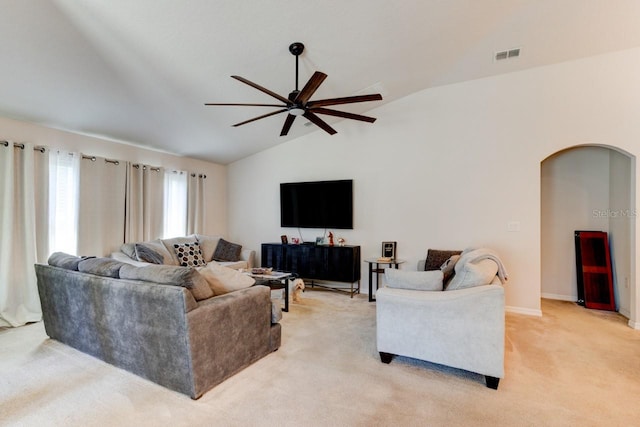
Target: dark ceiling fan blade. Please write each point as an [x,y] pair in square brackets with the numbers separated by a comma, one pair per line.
[319,122]
[219,104]
[345,100]
[287,124]
[262,89]
[309,89]
[260,117]
[343,114]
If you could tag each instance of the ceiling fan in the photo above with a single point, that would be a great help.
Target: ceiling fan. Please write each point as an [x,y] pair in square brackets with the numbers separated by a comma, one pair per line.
[298,102]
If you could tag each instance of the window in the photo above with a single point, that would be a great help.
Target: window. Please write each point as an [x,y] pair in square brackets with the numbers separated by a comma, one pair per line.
[63,201]
[175,204]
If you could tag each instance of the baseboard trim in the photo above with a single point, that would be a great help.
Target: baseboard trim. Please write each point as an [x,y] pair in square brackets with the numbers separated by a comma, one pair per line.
[559,297]
[525,311]
[634,325]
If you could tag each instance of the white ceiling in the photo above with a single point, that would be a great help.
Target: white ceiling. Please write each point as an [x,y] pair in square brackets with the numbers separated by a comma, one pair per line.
[141,70]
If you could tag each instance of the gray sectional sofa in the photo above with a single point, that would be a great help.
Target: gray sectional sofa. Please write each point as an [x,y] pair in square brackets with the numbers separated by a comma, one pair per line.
[174,334]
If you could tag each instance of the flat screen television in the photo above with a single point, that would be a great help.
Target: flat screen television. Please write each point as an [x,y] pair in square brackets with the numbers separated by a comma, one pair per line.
[319,204]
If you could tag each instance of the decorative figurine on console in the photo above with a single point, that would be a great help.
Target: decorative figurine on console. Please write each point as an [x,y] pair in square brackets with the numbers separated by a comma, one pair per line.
[341,241]
[330,239]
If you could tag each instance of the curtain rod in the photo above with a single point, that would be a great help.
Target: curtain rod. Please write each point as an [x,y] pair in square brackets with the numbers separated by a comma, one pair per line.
[144,167]
[93,159]
[21,146]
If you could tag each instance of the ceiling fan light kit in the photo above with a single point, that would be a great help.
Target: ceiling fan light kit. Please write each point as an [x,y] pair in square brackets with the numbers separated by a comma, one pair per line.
[298,102]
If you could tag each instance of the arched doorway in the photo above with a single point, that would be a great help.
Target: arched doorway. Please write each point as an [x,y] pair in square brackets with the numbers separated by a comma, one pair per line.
[587,187]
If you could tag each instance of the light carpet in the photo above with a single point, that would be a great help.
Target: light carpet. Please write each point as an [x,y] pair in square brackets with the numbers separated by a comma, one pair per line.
[571,367]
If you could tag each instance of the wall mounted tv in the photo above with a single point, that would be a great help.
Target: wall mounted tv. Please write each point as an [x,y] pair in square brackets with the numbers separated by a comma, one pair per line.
[319,204]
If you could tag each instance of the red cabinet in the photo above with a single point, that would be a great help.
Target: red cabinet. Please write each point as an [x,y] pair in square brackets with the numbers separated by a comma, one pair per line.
[593,268]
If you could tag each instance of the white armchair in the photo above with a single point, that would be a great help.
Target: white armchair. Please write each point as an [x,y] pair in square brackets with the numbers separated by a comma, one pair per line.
[461,328]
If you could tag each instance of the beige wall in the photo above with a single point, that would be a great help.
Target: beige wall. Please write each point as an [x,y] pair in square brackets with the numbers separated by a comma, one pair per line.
[216,221]
[452,166]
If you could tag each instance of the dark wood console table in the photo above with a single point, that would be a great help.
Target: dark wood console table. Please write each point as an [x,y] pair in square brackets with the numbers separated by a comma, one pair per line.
[316,262]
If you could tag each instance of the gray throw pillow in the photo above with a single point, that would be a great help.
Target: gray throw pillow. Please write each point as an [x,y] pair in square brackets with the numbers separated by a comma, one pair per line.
[106,267]
[185,277]
[227,251]
[145,253]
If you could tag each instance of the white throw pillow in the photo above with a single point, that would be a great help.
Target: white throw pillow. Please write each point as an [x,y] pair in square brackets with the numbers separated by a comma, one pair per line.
[416,280]
[223,279]
[470,274]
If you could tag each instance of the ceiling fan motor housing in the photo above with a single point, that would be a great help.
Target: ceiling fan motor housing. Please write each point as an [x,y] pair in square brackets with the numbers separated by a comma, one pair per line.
[296,48]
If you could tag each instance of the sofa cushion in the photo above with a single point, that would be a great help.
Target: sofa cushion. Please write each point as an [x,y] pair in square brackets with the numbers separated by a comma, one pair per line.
[207,245]
[227,251]
[471,274]
[145,253]
[63,260]
[189,254]
[223,280]
[436,257]
[107,267]
[416,280]
[186,277]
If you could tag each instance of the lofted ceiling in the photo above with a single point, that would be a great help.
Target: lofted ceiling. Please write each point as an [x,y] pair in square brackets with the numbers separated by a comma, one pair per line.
[140,71]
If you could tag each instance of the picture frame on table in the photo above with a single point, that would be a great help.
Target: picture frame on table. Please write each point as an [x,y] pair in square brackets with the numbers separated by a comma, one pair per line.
[389,250]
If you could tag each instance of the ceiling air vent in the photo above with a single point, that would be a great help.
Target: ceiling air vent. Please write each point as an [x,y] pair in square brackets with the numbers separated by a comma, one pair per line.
[507,54]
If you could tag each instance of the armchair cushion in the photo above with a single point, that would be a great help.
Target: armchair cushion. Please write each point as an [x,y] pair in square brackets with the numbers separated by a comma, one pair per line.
[416,280]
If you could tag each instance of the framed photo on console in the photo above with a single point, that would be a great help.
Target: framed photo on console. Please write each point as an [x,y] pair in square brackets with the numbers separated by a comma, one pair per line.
[389,250]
